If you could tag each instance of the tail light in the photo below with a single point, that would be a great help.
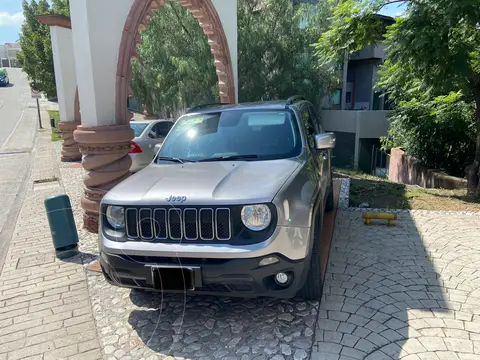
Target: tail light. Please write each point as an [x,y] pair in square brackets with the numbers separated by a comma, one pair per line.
[135,148]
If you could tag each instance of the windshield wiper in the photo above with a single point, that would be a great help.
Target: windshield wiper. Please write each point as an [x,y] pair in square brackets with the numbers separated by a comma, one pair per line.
[230,158]
[177,160]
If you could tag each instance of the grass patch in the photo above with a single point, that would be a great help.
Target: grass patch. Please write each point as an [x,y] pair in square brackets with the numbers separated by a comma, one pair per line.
[55,131]
[382,193]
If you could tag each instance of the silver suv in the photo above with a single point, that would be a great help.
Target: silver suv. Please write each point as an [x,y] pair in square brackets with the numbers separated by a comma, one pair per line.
[232,204]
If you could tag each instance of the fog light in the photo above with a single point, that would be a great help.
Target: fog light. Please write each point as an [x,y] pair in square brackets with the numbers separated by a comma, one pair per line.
[268,261]
[281,278]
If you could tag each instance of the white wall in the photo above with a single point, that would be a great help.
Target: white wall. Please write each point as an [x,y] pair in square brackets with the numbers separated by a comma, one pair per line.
[65,75]
[368,124]
[97,32]
[227,11]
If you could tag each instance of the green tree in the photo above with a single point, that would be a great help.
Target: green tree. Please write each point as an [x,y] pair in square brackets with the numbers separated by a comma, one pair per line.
[175,67]
[36,56]
[275,60]
[434,57]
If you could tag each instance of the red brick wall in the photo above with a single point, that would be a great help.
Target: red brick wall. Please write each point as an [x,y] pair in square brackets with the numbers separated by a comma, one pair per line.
[405,169]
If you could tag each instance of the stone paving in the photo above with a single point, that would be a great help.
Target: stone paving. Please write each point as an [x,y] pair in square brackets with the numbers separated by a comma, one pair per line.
[390,293]
[45,312]
[408,292]
[142,325]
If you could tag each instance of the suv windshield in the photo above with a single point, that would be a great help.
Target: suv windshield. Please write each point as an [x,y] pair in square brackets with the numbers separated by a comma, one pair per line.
[251,135]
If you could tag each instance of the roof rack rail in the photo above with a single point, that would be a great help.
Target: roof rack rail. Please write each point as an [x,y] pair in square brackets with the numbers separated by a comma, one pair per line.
[204,106]
[293,99]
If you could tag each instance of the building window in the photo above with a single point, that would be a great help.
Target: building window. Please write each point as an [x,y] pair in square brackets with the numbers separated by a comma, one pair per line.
[337,97]
[376,100]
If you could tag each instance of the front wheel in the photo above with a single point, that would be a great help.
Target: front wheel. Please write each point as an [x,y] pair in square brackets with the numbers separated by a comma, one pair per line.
[313,287]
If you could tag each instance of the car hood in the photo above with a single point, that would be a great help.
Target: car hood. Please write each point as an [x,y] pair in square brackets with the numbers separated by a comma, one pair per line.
[215,183]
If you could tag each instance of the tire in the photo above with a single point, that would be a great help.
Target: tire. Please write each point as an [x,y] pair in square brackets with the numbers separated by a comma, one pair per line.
[313,287]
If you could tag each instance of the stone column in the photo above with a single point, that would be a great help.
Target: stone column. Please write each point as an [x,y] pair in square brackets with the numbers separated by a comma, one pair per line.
[97,30]
[66,81]
[227,13]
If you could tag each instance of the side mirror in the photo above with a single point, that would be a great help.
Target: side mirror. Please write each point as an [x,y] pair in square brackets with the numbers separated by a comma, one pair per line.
[158,147]
[325,141]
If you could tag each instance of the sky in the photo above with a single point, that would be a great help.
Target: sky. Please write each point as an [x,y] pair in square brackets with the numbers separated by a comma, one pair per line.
[11,18]
[390,10]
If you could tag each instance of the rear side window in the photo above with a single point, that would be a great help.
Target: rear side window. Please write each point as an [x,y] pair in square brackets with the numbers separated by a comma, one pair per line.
[138,129]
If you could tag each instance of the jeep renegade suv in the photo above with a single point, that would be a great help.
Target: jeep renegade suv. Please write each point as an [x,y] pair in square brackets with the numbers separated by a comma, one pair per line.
[232,204]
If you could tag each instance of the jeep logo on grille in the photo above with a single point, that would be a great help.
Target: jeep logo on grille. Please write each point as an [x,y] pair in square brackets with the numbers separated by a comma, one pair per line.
[176,199]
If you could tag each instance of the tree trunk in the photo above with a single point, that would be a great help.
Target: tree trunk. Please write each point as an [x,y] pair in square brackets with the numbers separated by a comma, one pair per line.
[473,171]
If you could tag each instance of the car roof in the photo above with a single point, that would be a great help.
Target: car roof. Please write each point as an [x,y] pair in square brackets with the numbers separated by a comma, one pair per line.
[260,105]
[149,121]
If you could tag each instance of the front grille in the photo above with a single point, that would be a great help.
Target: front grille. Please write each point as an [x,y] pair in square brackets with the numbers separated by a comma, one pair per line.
[175,224]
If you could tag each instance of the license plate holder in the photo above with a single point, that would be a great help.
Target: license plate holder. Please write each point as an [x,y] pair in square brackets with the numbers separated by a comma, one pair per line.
[175,278]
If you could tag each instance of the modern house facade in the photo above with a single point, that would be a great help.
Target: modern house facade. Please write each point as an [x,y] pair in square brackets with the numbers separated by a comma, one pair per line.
[8,55]
[357,111]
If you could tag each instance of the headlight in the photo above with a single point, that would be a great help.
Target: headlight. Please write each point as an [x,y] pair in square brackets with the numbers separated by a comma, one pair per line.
[116,217]
[256,217]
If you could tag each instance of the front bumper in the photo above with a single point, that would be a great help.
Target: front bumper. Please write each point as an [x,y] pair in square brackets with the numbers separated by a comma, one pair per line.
[291,242]
[229,277]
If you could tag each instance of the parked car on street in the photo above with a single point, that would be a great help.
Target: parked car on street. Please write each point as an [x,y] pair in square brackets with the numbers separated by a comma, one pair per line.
[148,133]
[4,79]
[233,204]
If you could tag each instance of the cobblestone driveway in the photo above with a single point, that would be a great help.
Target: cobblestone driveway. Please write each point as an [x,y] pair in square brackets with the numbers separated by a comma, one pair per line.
[409,292]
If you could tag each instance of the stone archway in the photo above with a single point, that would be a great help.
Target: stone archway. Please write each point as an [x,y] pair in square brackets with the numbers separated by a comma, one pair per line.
[137,20]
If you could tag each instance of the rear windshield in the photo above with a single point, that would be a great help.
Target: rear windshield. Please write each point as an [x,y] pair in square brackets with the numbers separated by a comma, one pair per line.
[268,135]
[138,128]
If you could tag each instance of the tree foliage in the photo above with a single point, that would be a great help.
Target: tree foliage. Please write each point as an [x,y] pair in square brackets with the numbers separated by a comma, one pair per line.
[432,75]
[275,59]
[36,56]
[439,131]
[175,68]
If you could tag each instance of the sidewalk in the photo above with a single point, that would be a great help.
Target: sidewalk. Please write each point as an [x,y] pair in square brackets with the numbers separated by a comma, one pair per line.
[45,311]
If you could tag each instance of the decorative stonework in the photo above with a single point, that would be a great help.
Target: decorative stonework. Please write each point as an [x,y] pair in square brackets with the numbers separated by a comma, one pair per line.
[140,14]
[70,150]
[55,20]
[106,160]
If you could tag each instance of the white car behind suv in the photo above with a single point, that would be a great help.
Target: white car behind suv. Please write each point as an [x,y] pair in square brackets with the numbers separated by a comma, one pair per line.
[148,134]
